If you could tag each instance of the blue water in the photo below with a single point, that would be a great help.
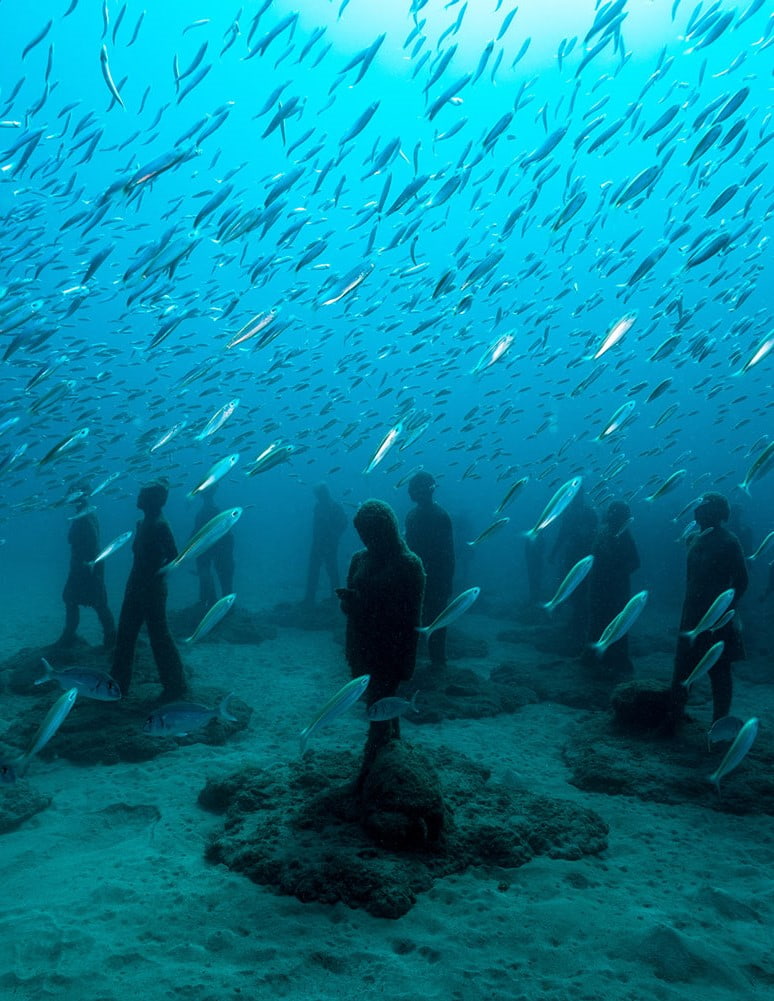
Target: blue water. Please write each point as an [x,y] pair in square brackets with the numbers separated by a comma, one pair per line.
[337,377]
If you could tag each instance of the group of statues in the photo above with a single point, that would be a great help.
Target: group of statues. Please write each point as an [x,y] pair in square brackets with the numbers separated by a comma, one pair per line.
[398,582]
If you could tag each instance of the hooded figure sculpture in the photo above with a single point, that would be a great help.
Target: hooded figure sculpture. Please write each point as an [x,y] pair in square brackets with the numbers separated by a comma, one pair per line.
[715,563]
[85,583]
[383,605]
[429,535]
[145,598]
[615,560]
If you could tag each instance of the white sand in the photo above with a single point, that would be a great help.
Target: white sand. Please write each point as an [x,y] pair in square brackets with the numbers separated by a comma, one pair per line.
[102,901]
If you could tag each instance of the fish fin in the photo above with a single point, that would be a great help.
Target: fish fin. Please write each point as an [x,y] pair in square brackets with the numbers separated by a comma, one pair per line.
[48,676]
[424,630]
[413,702]
[549,606]
[223,712]
[188,639]
[304,735]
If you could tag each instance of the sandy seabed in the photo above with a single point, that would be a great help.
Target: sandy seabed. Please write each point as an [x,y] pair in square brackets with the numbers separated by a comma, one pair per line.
[106,894]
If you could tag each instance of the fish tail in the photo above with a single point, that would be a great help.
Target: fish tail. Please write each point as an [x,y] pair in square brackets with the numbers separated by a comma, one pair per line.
[744,487]
[424,630]
[188,639]
[304,735]
[49,672]
[549,606]
[413,702]
[690,635]
[223,709]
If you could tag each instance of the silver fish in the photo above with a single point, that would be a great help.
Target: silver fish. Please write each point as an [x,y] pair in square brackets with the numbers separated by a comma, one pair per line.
[51,723]
[110,548]
[711,617]
[706,663]
[177,719]
[558,503]
[335,706]
[453,610]
[207,536]
[217,472]
[574,578]
[212,618]
[391,708]
[723,729]
[489,530]
[621,624]
[742,743]
[86,681]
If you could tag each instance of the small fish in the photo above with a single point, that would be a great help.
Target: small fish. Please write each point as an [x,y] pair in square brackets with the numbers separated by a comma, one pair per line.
[457,607]
[212,618]
[734,755]
[110,548]
[177,719]
[335,706]
[618,421]
[712,616]
[723,729]
[168,436]
[621,624]
[761,465]
[386,444]
[216,422]
[511,494]
[706,663]
[207,536]
[391,708]
[556,506]
[495,526]
[217,472]
[64,446]
[669,484]
[614,334]
[51,723]
[108,76]
[758,355]
[86,681]
[574,578]
[271,456]
[762,547]
[493,353]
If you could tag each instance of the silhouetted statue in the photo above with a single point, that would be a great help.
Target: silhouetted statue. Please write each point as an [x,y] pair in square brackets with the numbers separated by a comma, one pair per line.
[575,539]
[219,557]
[383,605]
[615,560]
[328,524]
[85,584]
[715,563]
[145,598]
[429,535]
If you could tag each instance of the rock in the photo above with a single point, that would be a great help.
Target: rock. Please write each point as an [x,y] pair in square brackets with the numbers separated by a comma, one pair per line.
[641,706]
[108,732]
[18,803]
[603,757]
[301,827]
[567,682]
[402,803]
[459,693]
